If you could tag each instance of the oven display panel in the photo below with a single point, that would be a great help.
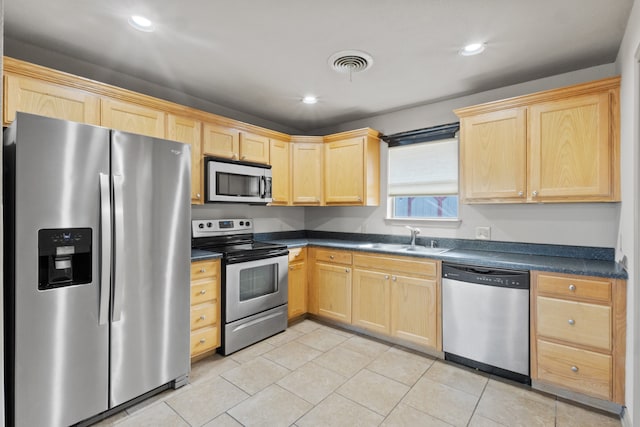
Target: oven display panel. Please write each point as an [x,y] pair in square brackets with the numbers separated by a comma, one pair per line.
[225,224]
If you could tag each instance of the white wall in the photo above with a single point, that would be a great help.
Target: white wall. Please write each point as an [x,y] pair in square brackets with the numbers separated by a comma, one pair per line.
[572,224]
[59,61]
[628,65]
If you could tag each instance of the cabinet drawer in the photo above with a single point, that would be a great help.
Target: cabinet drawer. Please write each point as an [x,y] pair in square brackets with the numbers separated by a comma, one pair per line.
[338,257]
[204,340]
[204,269]
[203,291]
[571,287]
[203,315]
[574,322]
[580,370]
[297,254]
[399,265]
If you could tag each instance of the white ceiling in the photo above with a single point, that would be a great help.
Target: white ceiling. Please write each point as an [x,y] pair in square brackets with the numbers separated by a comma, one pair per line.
[261,57]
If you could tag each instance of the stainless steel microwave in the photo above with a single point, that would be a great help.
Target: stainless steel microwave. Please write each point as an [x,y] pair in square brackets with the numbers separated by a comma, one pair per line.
[237,182]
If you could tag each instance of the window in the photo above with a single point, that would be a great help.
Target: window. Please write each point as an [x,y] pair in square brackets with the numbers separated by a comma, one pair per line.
[423,180]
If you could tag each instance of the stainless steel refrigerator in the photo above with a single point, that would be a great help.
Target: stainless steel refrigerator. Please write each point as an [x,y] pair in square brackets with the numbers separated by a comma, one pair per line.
[97,266]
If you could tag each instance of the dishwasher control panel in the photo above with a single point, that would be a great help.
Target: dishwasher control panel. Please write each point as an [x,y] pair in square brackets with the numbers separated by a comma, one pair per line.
[486,275]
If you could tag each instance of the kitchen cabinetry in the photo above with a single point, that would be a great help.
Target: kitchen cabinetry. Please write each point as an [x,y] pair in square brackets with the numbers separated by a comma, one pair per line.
[555,146]
[132,118]
[279,153]
[352,168]
[332,284]
[205,307]
[297,282]
[48,99]
[306,171]
[578,334]
[399,297]
[189,131]
[254,148]
[220,141]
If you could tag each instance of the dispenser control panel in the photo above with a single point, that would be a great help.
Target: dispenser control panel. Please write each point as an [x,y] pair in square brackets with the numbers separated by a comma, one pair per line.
[64,257]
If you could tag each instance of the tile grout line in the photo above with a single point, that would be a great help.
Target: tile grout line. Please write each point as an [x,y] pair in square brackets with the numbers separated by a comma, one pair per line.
[475,408]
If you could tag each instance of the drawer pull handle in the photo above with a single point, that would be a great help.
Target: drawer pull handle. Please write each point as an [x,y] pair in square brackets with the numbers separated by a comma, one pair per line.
[297,255]
[203,317]
[198,196]
[202,341]
[572,322]
[331,257]
[574,368]
[202,270]
[202,292]
[291,268]
[572,288]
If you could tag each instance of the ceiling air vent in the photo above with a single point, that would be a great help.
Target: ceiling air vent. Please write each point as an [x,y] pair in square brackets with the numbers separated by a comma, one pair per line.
[350,61]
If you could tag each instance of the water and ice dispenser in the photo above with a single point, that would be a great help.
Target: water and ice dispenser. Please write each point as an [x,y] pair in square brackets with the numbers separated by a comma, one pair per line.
[64,257]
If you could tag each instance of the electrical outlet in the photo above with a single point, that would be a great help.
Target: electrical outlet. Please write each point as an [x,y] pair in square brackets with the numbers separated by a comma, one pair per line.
[483,233]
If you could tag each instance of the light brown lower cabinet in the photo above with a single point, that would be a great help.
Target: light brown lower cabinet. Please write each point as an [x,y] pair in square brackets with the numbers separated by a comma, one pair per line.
[205,307]
[578,334]
[297,283]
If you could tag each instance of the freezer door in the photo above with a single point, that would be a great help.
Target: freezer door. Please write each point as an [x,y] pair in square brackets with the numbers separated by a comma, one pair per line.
[152,246]
[60,354]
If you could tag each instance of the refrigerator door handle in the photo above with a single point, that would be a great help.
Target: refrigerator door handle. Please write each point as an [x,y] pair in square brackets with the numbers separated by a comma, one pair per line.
[105,248]
[118,279]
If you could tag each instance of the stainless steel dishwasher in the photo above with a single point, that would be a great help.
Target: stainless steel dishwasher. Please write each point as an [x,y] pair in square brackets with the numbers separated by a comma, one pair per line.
[485,319]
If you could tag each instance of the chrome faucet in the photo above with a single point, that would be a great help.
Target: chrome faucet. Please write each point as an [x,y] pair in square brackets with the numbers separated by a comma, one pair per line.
[414,232]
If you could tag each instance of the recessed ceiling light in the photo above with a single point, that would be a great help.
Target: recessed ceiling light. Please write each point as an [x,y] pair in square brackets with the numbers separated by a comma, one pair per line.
[141,23]
[310,99]
[473,49]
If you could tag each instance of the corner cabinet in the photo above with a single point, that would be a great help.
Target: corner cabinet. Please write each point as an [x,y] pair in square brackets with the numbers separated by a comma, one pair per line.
[306,171]
[555,146]
[352,168]
[578,334]
[279,155]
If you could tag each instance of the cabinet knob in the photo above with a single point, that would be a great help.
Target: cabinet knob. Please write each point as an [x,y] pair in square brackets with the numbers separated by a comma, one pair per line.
[572,322]
[203,317]
[359,198]
[234,156]
[572,288]
[393,278]
[202,270]
[290,267]
[534,194]
[386,277]
[202,340]
[331,257]
[520,193]
[198,195]
[574,369]
[243,157]
[297,255]
[346,270]
[202,292]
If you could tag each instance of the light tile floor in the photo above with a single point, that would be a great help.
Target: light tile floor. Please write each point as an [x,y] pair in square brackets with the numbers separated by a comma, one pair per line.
[315,375]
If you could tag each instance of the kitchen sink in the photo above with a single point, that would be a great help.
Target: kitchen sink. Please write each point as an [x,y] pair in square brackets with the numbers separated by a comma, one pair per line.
[403,248]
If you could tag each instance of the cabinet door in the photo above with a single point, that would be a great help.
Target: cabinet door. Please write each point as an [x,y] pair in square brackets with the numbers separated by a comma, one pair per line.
[220,141]
[280,170]
[334,291]
[297,289]
[344,171]
[371,301]
[189,131]
[415,314]
[306,177]
[493,164]
[50,100]
[132,118]
[570,150]
[254,148]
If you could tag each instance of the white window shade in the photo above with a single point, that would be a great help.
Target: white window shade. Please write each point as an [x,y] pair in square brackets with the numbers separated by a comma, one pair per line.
[424,169]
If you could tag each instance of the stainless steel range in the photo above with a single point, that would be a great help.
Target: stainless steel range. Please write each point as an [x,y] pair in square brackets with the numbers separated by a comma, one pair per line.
[254,281]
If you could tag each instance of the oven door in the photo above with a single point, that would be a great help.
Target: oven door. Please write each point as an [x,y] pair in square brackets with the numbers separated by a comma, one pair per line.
[255,286]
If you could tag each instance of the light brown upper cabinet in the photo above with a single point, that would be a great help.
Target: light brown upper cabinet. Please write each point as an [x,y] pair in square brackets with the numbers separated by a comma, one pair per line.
[132,118]
[189,131]
[555,146]
[306,170]
[281,172]
[48,99]
[254,148]
[220,141]
[352,168]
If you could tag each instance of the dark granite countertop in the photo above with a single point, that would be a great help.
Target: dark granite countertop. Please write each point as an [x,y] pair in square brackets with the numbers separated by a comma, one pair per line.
[485,258]
[200,255]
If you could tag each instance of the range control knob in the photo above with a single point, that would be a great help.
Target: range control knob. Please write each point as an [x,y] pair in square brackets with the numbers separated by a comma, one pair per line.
[209,225]
[241,222]
[248,223]
[200,225]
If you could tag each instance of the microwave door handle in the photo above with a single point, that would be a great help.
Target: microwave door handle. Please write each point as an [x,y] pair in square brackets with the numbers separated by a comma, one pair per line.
[263,186]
